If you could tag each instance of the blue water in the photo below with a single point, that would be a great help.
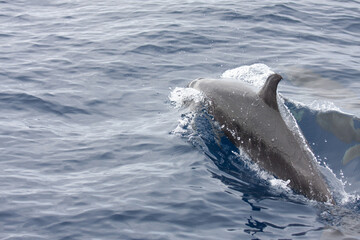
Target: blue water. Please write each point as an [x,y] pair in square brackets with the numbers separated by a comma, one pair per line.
[87,144]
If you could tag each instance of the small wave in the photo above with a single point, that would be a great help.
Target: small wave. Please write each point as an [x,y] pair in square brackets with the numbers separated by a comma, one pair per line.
[233,16]
[323,106]
[25,78]
[280,18]
[154,49]
[316,105]
[355,27]
[23,17]
[23,101]
[4,35]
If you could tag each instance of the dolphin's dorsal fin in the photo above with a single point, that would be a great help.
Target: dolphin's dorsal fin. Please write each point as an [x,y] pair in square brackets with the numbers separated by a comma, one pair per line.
[268,91]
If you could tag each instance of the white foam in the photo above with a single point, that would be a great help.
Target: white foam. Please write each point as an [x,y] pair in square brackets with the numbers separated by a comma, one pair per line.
[323,106]
[280,184]
[255,74]
[180,97]
[185,97]
[337,185]
[184,126]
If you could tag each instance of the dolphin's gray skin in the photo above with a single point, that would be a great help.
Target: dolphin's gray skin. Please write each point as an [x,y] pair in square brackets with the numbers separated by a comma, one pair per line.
[252,120]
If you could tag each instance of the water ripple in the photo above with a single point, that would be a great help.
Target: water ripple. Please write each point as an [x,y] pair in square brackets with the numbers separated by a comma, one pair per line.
[23,101]
[85,146]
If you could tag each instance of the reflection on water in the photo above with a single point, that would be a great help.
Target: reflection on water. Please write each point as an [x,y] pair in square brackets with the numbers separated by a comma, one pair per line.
[315,86]
[343,127]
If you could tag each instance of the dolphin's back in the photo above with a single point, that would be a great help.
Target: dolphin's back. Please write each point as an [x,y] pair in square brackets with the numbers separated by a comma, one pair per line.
[251,120]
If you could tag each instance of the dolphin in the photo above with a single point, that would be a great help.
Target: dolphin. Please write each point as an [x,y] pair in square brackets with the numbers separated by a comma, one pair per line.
[252,121]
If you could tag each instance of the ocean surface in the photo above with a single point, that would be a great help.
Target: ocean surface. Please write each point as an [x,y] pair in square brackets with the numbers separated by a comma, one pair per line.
[97,143]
